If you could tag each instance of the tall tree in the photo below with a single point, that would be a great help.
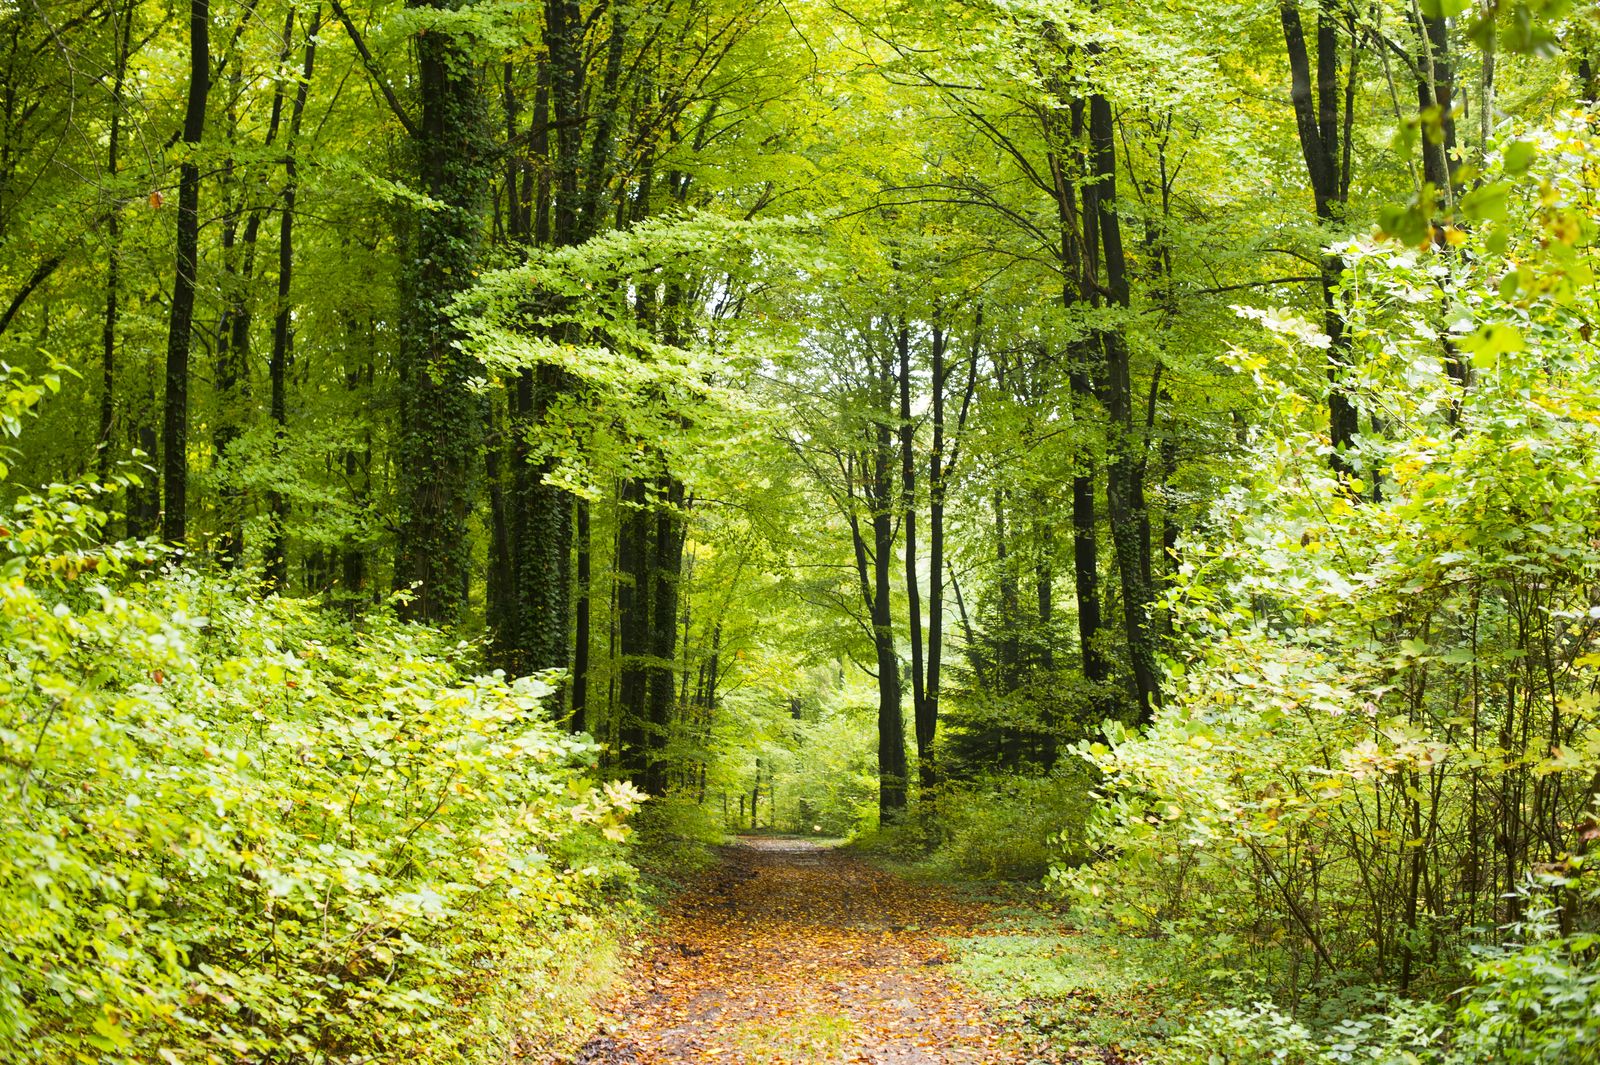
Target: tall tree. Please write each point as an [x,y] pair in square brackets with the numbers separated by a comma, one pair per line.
[180,328]
[441,421]
[1318,96]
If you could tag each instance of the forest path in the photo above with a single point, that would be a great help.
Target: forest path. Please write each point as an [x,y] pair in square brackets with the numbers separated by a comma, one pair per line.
[790,952]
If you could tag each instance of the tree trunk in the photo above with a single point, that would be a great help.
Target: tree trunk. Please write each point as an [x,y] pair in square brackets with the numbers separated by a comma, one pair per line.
[925,720]
[180,327]
[921,723]
[580,657]
[891,722]
[633,614]
[108,333]
[353,556]
[545,511]
[277,553]
[663,621]
[500,590]
[440,416]
[1316,122]
[1125,502]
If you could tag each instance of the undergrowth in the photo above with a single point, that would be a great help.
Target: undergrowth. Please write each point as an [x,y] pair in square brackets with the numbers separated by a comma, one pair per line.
[996,827]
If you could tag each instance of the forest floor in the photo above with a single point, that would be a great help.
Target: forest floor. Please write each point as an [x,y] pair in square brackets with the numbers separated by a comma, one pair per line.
[791,952]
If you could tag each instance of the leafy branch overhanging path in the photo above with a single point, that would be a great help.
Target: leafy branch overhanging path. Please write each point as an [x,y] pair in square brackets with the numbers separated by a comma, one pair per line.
[794,952]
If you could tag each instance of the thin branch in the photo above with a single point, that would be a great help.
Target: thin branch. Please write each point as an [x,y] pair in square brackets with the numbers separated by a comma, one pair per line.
[372,69]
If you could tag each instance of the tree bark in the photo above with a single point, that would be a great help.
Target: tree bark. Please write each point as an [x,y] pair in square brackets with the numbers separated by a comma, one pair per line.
[664,573]
[580,651]
[180,326]
[108,334]
[1125,503]
[441,418]
[1316,122]
[277,553]
[633,614]
[922,726]
[891,720]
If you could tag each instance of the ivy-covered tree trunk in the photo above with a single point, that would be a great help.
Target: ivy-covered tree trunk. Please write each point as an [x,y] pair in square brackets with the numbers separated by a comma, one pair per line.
[665,572]
[440,416]
[543,548]
[632,612]
[180,324]
[582,618]
[544,543]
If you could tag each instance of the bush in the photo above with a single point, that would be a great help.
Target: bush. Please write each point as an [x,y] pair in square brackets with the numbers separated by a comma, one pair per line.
[1013,828]
[1403,1034]
[242,828]
[1538,1002]
[996,827]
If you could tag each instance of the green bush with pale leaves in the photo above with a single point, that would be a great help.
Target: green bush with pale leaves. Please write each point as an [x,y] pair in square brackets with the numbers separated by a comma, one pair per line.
[242,828]
[1381,748]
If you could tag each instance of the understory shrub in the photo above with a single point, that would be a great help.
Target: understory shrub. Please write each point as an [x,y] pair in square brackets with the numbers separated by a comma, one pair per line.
[994,827]
[238,828]
[1010,827]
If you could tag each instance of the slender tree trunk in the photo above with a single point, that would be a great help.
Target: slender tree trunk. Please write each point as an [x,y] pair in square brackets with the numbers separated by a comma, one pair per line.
[1316,121]
[580,656]
[1086,556]
[663,621]
[358,473]
[1044,591]
[925,720]
[108,333]
[1436,89]
[232,386]
[277,553]
[500,592]
[180,328]
[1125,503]
[633,614]
[891,720]
[922,725]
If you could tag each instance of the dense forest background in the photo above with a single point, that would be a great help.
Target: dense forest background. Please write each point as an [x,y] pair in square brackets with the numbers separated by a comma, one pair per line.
[1152,446]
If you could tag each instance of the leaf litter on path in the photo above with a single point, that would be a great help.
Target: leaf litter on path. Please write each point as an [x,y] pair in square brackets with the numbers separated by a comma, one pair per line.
[790,952]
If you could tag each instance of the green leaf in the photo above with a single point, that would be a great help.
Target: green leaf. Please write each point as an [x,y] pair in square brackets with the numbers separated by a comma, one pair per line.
[1490,342]
[1519,155]
[1408,224]
[1487,203]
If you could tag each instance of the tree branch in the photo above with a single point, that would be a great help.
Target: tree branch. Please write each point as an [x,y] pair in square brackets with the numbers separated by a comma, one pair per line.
[372,70]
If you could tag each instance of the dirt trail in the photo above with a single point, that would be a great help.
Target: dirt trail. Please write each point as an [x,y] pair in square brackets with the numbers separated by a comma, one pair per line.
[792,952]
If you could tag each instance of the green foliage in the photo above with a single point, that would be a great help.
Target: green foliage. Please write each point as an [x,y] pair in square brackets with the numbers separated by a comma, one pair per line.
[240,827]
[1011,827]
[1389,684]
[1533,1002]
[1259,1034]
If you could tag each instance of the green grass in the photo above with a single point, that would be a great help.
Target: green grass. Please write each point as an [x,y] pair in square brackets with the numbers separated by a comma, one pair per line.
[1072,988]
[808,1037]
